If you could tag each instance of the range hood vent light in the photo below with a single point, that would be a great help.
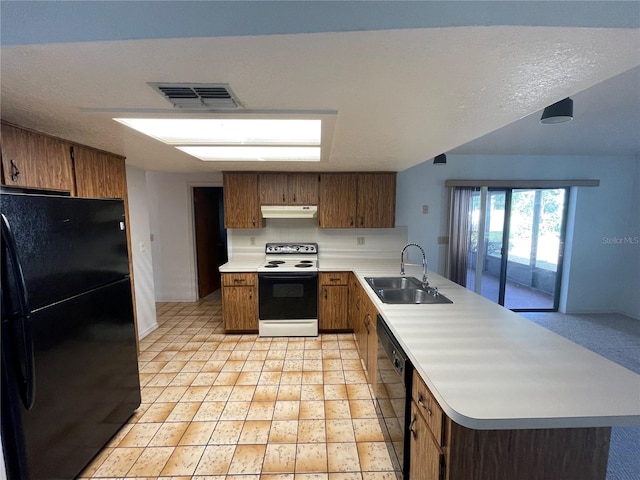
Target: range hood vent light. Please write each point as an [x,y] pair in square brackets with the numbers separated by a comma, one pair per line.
[289,211]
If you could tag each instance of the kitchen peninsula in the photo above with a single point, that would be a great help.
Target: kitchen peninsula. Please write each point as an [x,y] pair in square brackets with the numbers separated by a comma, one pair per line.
[512,399]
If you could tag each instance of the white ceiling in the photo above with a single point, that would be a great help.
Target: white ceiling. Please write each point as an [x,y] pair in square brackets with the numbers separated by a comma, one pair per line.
[394,98]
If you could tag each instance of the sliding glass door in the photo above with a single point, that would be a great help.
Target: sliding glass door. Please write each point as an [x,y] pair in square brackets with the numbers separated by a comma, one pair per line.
[516,239]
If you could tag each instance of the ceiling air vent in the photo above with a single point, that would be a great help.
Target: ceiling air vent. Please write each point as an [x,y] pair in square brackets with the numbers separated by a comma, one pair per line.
[198,96]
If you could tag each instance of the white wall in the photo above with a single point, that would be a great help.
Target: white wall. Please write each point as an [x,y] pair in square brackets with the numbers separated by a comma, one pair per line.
[170,200]
[141,251]
[602,277]
[378,242]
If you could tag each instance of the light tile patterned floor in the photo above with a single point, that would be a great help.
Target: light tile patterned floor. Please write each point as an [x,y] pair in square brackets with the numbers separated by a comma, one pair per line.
[246,408]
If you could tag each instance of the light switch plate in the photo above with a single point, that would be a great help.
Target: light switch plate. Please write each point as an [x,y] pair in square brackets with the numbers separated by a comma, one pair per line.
[425,209]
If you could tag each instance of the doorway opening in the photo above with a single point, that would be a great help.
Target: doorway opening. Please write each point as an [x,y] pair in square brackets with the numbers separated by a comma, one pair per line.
[211,237]
[515,246]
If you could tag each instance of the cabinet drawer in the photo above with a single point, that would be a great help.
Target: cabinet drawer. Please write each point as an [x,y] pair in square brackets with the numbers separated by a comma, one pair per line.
[238,279]
[334,278]
[429,408]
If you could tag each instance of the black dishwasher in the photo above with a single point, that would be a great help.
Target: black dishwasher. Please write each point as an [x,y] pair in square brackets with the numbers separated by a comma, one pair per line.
[393,396]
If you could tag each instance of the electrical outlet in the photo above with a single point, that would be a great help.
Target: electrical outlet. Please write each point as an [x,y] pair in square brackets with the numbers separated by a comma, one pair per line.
[360,240]
[252,240]
[443,240]
[425,209]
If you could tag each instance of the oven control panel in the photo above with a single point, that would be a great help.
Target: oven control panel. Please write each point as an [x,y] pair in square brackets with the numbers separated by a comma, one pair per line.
[291,248]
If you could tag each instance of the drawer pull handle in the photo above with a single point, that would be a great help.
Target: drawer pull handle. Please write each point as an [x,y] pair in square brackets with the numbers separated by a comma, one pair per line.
[414,433]
[423,405]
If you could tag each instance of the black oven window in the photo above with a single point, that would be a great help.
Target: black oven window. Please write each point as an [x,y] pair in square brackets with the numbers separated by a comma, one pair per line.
[288,290]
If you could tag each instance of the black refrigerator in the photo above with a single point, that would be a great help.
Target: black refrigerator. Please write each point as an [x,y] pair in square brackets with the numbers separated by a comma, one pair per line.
[69,362]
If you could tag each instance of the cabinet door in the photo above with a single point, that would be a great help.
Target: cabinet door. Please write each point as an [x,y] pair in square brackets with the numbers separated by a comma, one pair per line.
[333,311]
[372,339]
[99,174]
[241,205]
[354,301]
[303,189]
[35,161]
[376,200]
[337,200]
[240,309]
[273,188]
[426,461]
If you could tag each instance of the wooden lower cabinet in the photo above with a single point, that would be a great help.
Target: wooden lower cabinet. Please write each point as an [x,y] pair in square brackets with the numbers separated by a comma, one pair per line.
[427,460]
[240,302]
[366,336]
[441,449]
[333,304]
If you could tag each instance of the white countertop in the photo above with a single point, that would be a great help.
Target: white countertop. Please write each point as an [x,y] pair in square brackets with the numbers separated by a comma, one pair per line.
[490,368]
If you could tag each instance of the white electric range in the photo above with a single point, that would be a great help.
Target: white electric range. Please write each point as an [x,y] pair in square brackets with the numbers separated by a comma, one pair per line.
[288,290]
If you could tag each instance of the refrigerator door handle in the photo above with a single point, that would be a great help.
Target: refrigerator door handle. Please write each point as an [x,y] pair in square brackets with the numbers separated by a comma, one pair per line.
[27,385]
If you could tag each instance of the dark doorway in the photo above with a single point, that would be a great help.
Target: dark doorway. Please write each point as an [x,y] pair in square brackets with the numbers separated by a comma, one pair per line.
[211,237]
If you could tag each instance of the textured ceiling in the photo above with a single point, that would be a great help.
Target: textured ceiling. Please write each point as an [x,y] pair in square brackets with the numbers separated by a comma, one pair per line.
[399,96]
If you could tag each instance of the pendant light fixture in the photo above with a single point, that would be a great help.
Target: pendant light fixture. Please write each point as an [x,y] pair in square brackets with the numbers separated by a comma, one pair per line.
[559,112]
[440,159]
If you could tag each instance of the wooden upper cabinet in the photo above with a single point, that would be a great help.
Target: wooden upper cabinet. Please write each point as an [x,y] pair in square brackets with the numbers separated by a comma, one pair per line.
[273,188]
[376,200]
[288,188]
[32,160]
[337,200]
[99,174]
[303,188]
[241,200]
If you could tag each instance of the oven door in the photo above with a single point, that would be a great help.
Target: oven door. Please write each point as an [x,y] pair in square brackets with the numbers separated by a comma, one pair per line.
[288,296]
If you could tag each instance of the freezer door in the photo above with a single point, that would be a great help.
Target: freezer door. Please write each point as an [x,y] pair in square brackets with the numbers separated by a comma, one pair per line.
[87,382]
[66,245]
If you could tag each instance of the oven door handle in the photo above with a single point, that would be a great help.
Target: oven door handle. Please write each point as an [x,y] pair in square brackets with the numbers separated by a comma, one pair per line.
[280,276]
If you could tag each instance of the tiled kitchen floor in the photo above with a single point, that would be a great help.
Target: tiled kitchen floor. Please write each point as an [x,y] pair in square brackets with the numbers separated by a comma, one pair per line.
[246,408]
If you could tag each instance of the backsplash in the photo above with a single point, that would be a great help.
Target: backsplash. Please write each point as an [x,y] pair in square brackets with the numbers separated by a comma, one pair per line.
[378,242]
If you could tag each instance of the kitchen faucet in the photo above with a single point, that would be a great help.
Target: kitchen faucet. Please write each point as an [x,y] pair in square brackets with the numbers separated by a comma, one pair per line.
[425,282]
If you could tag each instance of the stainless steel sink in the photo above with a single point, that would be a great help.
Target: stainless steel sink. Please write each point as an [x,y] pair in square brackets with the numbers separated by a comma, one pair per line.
[410,295]
[405,290]
[393,282]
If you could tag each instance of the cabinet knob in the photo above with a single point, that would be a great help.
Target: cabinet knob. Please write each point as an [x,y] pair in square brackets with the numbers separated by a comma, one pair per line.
[283,198]
[361,221]
[15,173]
[294,197]
[253,221]
[325,293]
[351,222]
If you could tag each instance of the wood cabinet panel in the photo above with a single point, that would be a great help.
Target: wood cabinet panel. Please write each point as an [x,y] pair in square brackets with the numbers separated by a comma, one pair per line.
[239,279]
[240,309]
[35,161]
[535,454]
[99,174]
[427,461]
[429,408]
[376,200]
[303,188]
[273,188]
[241,201]
[240,302]
[333,302]
[337,200]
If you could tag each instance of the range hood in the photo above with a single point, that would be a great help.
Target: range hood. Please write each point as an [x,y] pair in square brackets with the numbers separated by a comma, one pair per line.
[289,211]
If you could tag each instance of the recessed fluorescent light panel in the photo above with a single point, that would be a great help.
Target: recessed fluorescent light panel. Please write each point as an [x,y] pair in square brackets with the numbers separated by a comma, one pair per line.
[254,153]
[236,139]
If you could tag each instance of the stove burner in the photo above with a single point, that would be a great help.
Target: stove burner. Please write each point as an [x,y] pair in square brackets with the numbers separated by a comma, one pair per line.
[306,261]
[271,265]
[303,265]
[276,262]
